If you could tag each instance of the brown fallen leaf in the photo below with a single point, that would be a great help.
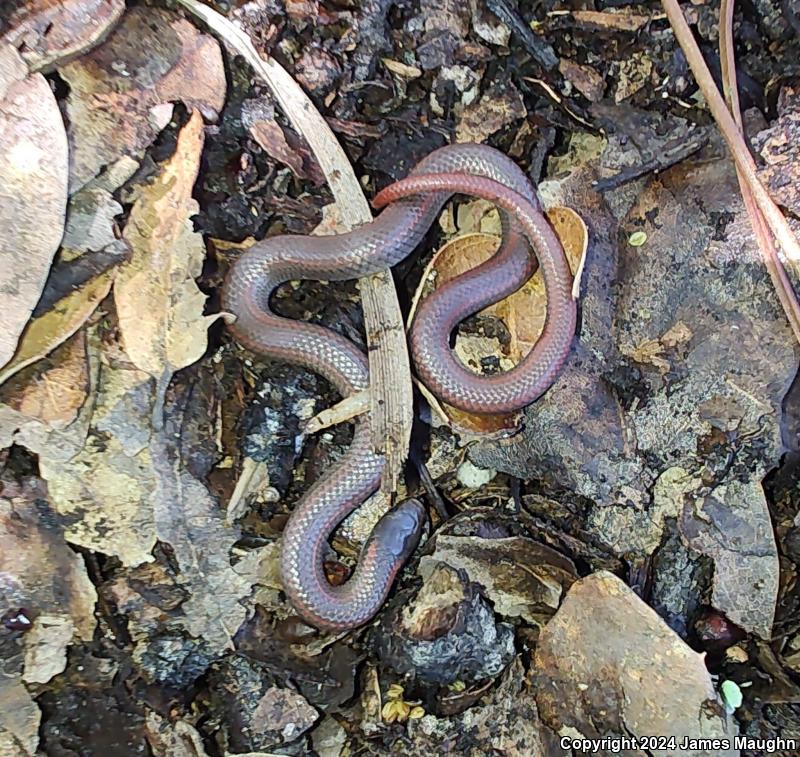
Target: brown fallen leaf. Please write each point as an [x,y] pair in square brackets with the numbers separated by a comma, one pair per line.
[403,70]
[33,194]
[47,33]
[605,643]
[499,106]
[45,333]
[117,91]
[55,394]
[280,144]
[521,577]
[159,305]
[55,434]
[100,488]
[584,78]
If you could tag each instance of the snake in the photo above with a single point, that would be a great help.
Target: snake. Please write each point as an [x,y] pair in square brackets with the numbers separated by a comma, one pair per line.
[410,207]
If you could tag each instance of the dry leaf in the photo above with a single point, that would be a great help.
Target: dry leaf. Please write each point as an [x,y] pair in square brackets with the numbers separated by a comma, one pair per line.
[283,713]
[27,416]
[652,350]
[151,58]
[47,33]
[620,21]
[191,521]
[42,573]
[89,231]
[46,647]
[159,305]
[403,70]
[33,193]
[173,739]
[521,577]
[45,333]
[585,79]
[280,144]
[19,718]
[55,394]
[498,107]
[102,490]
[732,526]
[91,215]
[633,74]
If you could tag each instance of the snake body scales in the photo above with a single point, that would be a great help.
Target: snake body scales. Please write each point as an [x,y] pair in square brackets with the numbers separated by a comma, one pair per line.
[412,205]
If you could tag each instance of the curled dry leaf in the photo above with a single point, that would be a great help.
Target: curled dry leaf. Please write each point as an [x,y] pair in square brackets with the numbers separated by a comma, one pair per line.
[159,305]
[618,21]
[173,739]
[45,333]
[605,643]
[47,33]
[521,577]
[113,108]
[523,312]
[33,194]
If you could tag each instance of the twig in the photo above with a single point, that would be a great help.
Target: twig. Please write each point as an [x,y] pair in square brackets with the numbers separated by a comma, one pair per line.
[746,167]
[669,155]
[349,408]
[390,372]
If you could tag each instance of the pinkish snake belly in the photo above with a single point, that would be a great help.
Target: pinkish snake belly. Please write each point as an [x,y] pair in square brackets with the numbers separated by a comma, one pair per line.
[414,205]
